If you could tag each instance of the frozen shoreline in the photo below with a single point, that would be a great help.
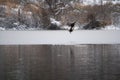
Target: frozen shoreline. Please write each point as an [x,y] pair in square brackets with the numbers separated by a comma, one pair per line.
[60,37]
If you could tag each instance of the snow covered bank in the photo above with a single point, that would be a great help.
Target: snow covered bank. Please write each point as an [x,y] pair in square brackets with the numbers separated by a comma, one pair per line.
[62,37]
[112,27]
[64,27]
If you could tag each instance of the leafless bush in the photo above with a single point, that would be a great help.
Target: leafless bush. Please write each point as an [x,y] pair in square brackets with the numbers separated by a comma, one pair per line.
[39,15]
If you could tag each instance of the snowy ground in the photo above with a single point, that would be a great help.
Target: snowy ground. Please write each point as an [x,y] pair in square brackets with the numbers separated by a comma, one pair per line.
[61,37]
[111,27]
[57,23]
[77,27]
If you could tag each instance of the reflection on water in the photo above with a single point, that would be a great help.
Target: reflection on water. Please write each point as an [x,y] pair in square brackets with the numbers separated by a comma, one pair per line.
[60,62]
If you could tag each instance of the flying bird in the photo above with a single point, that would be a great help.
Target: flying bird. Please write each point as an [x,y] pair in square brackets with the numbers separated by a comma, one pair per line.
[72,25]
[70,30]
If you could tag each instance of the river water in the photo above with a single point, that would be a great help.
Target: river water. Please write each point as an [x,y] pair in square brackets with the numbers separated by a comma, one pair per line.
[60,62]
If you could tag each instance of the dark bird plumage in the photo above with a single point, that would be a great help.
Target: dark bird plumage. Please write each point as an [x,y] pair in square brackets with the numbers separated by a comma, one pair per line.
[70,30]
[71,26]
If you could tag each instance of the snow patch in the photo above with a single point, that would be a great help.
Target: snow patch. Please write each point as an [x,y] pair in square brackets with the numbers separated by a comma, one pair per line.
[68,27]
[15,9]
[65,27]
[111,27]
[53,21]
[2,29]
[16,23]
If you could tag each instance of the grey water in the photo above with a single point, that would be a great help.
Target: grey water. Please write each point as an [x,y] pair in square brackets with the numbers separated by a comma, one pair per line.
[60,62]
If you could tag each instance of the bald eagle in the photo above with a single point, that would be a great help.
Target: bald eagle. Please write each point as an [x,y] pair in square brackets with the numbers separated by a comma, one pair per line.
[72,25]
